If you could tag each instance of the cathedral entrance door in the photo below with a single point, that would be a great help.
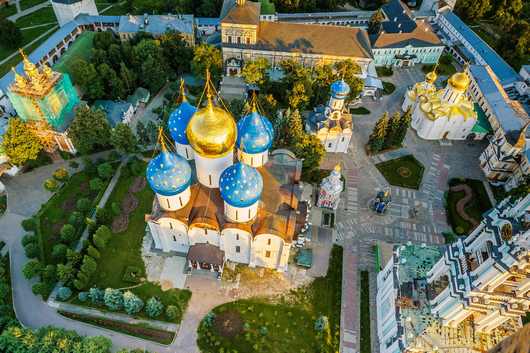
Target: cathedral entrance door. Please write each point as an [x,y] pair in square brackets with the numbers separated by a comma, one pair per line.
[445,135]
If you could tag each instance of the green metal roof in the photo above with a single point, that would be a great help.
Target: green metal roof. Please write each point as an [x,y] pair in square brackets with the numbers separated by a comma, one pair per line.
[305,258]
[482,126]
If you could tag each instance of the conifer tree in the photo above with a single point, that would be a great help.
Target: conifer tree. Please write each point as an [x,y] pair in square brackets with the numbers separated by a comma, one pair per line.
[406,118]
[376,141]
[393,134]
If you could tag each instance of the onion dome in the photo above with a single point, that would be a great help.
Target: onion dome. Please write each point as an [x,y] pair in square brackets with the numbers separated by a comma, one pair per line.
[254,133]
[340,89]
[212,131]
[241,185]
[178,121]
[459,81]
[168,174]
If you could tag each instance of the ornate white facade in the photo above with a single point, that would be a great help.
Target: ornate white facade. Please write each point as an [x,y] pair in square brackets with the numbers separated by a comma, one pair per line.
[441,114]
[460,298]
[68,10]
[330,190]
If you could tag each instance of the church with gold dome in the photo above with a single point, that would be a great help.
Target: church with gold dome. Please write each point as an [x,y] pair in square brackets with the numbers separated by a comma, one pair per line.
[221,195]
[442,114]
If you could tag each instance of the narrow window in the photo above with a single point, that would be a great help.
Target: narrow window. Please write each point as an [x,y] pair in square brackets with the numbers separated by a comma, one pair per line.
[210,179]
[236,215]
[237,236]
[238,40]
[229,39]
[269,241]
[249,213]
[174,238]
[329,145]
[205,231]
[248,40]
[180,200]
[267,253]
[168,204]
[187,156]
[238,249]
[170,225]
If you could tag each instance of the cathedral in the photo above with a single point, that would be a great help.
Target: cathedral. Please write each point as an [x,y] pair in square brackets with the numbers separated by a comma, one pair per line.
[46,99]
[446,113]
[332,124]
[220,195]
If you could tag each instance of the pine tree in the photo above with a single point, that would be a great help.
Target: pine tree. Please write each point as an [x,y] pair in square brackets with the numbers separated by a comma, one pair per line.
[406,118]
[393,133]
[376,141]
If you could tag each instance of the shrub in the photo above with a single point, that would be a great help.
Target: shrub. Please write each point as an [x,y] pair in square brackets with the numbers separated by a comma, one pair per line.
[76,218]
[209,319]
[68,233]
[28,224]
[29,238]
[73,257]
[132,303]
[102,236]
[60,174]
[64,293]
[96,295]
[79,284]
[65,272]
[59,252]
[31,250]
[114,156]
[105,171]
[388,88]
[90,167]
[93,252]
[42,288]
[103,216]
[322,323]
[96,184]
[82,296]
[73,164]
[136,167]
[172,312]
[89,265]
[116,209]
[51,185]
[154,307]
[50,273]
[32,268]
[113,299]
[83,205]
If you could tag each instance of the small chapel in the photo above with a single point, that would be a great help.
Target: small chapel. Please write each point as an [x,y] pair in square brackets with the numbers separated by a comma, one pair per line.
[221,195]
[442,114]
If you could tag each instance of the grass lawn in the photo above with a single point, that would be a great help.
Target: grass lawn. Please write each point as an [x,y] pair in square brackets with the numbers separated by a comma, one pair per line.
[404,171]
[366,343]
[124,250]
[80,49]
[44,15]
[117,9]
[26,4]
[54,214]
[359,111]
[3,204]
[478,204]
[388,88]
[27,36]
[136,330]
[260,325]
[5,67]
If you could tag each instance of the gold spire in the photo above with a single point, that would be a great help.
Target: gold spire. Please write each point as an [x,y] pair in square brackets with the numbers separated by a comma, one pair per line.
[19,80]
[29,68]
[338,168]
[182,91]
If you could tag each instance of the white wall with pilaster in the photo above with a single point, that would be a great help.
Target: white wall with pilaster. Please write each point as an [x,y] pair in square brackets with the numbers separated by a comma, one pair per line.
[203,235]
[209,169]
[236,244]
[173,235]
[241,214]
[255,160]
[266,251]
[184,151]
[176,202]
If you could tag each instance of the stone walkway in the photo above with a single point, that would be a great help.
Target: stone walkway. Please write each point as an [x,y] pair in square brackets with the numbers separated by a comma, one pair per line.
[28,10]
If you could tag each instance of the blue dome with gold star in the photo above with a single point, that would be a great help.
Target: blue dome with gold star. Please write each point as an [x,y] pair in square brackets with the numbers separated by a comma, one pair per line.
[340,89]
[240,185]
[168,174]
[178,121]
[254,133]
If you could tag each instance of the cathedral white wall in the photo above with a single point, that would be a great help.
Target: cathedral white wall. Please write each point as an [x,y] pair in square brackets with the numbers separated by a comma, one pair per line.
[407,103]
[176,202]
[336,143]
[255,160]
[68,12]
[267,251]
[202,235]
[184,151]
[241,214]
[234,239]
[209,169]
[173,235]
[455,128]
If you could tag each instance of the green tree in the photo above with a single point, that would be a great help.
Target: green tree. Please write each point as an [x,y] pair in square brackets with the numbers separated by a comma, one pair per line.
[19,143]
[472,10]
[405,121]
[154,307]
[32,250]
[68,233]
[89,265]
[172,312]
[59,251]
[348,70]
[105,170]
[323,77]
[132,303]
[32,268]
[10,34]
[374,25]
[90,130]
[128,77]
[153,74]
[93,252]
[103,40]
[114,86]
[311,150]
[102,236]
[393,133]
[96,184]
[298,97]
[64,293]
[85,75]
[113,299]
[83,205]
[256,72]
[65,272]
[176,51]
[207,57]
[49,274]
[141,132]
[376,140]
[123,139]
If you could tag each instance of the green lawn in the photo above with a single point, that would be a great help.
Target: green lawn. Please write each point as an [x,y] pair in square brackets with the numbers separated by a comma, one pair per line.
[366,343]
[6,11]
[44,15]
[26,4]
[80,49]
[404,171]
[5,67]
[287,325]
[388,88]
[27,36]
[479,204]
[117,9]
[360,111]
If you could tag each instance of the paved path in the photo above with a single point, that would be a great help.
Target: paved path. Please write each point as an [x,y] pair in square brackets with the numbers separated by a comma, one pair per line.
[15,53]
[28,11]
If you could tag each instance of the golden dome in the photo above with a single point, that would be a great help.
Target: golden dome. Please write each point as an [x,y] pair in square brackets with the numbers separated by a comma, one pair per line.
[431,77]
[459,81]
[212,131]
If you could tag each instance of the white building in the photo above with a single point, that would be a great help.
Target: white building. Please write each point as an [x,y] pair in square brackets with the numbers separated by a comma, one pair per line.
[213,210]
[332,124]
[446,113]
[505,159]
[67,10]
[330,190]
[460,298]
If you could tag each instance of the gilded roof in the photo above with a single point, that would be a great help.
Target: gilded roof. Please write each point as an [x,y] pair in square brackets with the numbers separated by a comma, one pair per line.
[248,14]
[313,39]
